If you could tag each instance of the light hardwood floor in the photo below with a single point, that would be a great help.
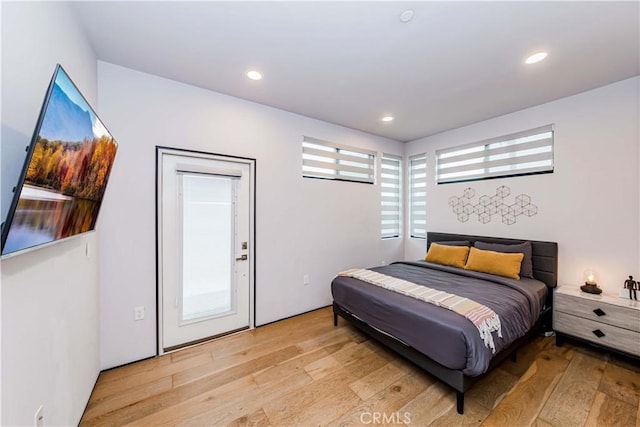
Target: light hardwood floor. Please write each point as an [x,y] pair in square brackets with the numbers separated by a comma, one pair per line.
[304,371]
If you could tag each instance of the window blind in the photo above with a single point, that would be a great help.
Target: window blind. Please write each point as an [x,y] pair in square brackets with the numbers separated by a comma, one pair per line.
[520,153]
[327,160]
[390,196]
[418,196]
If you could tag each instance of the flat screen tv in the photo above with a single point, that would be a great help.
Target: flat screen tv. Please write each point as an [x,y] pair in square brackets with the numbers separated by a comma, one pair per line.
[65,172]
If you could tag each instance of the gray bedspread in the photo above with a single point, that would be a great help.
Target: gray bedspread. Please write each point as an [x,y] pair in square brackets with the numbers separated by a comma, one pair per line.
[444,336]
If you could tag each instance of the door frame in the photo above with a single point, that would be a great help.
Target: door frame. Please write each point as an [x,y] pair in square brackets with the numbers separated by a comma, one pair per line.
[160,150]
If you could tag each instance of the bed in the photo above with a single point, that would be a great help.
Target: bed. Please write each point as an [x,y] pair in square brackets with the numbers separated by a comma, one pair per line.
[440,341]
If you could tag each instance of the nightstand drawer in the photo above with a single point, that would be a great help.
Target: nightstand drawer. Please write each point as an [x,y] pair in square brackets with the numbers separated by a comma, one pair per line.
[596,332]
[589,309]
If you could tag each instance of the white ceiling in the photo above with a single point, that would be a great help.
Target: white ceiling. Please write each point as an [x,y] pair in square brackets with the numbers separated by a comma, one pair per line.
[350,63]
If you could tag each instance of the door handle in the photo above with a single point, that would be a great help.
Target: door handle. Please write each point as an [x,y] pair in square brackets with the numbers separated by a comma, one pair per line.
[242,258]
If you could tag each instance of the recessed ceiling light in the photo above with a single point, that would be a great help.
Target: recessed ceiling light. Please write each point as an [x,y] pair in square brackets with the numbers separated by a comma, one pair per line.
[407,16]
[254,75]
[536,57]
[387,119]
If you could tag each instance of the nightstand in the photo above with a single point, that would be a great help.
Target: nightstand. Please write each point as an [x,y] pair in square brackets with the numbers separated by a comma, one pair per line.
[605,320]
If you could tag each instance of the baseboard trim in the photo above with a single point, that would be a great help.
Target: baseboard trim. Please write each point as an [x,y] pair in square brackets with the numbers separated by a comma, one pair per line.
[294,315]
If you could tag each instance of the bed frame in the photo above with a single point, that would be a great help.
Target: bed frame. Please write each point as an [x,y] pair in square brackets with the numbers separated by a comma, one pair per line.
[545,269]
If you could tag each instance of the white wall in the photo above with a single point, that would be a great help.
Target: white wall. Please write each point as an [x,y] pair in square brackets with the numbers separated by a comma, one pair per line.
[304,226]
[590,205]
[50,347]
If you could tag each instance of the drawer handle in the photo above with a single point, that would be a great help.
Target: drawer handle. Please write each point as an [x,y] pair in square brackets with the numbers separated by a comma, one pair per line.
[598,333]
[599,312]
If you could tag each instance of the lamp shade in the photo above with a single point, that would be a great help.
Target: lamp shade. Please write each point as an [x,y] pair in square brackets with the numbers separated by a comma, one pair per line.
[590,277]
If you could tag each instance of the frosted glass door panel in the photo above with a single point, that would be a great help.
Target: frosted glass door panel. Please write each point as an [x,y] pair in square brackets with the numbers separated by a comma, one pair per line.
[208,230]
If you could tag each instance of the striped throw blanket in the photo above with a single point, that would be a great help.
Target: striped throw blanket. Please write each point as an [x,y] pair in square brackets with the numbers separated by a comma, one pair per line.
[484,318]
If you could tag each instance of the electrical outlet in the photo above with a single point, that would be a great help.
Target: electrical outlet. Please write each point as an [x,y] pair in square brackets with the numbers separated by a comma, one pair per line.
[305,280]
[38,417]
[138,313]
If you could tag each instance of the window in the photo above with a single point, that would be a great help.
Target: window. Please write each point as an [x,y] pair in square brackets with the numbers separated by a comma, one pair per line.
[326,160]
[520,153]
[390,196]
[418,196]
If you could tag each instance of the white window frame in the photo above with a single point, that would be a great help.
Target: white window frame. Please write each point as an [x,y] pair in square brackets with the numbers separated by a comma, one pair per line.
[523,153]
[327,160]
[417,177]
[390,196]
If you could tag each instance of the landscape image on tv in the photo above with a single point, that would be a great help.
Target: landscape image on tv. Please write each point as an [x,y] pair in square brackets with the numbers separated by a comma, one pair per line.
[66,171]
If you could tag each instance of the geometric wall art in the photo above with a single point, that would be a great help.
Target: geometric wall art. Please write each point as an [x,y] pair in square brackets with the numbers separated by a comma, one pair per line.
[487,206]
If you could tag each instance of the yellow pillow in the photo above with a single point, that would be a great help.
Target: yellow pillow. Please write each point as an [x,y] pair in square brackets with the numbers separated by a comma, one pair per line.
[498,263]
[454,256]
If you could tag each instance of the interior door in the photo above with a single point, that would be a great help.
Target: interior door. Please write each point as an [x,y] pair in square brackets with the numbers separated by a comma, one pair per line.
[204,247]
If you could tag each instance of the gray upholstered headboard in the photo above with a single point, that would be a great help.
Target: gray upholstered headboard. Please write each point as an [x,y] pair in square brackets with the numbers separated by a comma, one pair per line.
[544,258]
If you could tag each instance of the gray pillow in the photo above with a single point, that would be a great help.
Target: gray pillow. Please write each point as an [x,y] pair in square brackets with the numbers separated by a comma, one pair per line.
[526,267]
